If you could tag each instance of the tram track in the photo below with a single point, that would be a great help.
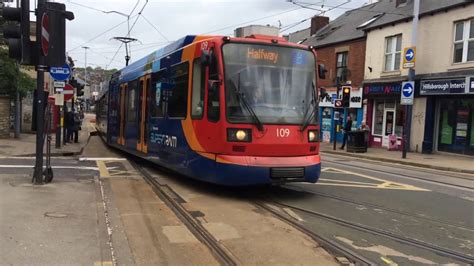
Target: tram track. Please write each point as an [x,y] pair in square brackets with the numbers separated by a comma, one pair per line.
[380,207]
[410,176]
[174,202]
[375,231]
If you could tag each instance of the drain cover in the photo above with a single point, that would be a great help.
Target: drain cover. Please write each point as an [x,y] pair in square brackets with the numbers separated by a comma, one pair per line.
[55,215]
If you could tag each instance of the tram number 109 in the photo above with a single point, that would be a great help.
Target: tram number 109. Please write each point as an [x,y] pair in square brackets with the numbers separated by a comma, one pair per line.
[283,132]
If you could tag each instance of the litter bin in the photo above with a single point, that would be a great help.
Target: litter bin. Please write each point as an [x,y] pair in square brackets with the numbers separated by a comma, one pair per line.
[357,141]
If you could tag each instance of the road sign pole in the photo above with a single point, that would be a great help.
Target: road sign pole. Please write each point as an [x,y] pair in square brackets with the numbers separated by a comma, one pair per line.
[411,77]
[40,69]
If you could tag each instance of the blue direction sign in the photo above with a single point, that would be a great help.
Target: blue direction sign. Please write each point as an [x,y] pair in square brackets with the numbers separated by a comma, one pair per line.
[60,73]
[408,90]
[409,57]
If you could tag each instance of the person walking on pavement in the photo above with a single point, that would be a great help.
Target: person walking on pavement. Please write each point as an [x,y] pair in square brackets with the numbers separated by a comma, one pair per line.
[69,123]
[77,126]
[347,128]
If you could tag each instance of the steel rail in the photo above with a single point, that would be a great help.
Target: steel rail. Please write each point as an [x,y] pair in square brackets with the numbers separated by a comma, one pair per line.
[330,245]
[411,176]
[168,195]
[401,239]
[289,186]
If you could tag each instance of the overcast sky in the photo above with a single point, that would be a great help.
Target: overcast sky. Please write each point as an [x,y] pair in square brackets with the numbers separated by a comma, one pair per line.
[173,19]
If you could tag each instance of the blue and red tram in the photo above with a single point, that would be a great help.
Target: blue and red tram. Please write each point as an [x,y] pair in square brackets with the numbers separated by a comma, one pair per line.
[230,111]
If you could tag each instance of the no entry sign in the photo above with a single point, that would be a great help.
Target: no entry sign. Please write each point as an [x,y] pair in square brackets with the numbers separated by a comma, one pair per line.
[45,34]
[68,92]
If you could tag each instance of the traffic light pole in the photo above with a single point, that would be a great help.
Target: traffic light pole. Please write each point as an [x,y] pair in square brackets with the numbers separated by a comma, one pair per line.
[40,69]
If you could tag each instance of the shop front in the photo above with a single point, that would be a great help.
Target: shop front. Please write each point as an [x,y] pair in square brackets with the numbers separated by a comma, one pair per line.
[452,103]
[330,115]
[385,116]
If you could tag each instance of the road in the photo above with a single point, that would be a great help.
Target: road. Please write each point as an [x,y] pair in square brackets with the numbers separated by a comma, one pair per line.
[420,212]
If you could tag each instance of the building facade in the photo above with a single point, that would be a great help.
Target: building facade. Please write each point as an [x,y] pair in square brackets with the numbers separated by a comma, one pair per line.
[341,47]
[442,115]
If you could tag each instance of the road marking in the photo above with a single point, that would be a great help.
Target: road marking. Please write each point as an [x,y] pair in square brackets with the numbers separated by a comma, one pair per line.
[293,214]
[83,159]
[54,167]
[388,261]
[104,172]
[381,183]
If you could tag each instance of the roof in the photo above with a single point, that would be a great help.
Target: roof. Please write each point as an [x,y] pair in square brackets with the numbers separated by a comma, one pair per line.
[350,25]
[392,14]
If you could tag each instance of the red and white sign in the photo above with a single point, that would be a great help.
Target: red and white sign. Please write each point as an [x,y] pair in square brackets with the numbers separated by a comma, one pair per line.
[68,92]
[45,34]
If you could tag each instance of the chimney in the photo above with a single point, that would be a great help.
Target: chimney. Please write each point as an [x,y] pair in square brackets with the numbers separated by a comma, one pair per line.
[317,23]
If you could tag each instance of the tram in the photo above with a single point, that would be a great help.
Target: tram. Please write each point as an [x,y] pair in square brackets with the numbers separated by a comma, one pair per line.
[229,111]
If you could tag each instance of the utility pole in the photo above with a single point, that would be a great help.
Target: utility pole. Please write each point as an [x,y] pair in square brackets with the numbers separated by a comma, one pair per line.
[40,69]
[411,77]
[17,97]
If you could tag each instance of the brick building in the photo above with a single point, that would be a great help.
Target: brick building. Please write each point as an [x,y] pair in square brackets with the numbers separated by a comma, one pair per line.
[340,45]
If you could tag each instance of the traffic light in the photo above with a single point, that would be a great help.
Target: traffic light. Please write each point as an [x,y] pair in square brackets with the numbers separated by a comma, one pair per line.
[80,90]
[56,28]
[346,96]
[17,32]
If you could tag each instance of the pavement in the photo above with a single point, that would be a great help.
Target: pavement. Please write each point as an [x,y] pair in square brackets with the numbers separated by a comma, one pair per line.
[438,161]
[26,144]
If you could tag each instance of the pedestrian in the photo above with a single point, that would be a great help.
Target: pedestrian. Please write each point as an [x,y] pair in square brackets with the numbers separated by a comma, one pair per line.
[347,128]
[77,126]
[69,123]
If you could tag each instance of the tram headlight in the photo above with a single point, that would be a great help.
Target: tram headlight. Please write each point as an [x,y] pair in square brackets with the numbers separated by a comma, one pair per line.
[239,135]
[313,136]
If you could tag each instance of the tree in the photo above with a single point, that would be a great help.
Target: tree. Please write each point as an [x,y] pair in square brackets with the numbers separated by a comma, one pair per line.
[11,77]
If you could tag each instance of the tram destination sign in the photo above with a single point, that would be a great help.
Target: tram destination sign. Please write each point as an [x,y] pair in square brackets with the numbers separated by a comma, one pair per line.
[444,86]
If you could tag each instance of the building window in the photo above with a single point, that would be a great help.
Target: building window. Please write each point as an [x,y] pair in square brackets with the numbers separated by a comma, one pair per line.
[341,67]
[464,41]
[393,52]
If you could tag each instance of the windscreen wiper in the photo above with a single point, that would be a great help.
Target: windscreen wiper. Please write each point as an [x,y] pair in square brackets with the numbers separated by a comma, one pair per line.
[245,103]
[307,119]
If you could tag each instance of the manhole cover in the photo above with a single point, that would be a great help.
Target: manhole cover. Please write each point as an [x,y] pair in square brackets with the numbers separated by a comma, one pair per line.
[55,215]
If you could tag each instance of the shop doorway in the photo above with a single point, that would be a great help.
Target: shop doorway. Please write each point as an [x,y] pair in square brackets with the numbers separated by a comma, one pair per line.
[389,128]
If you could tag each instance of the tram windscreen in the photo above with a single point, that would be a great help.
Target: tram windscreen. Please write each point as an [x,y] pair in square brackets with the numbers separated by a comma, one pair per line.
[277,82]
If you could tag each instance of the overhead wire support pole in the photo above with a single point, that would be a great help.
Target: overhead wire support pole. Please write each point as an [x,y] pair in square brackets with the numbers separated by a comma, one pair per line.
[411,77]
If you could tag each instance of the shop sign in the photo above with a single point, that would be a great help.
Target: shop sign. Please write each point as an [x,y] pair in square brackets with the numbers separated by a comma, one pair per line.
[328,99]
[444,86]
[356,98]
[383,90]
[471,81]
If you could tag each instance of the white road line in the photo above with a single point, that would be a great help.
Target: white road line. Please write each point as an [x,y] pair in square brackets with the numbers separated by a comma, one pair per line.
[54,167]
[101,159]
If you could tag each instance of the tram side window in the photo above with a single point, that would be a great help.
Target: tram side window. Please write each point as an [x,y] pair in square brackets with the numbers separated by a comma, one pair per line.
[132,102]
[213,105]
[156,102]
[199,79]
[178,96]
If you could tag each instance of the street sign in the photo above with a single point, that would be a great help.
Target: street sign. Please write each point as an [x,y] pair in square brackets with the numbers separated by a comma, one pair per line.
[60,73]
[409,57]
[45,34]
[59,99]
[338,103]
[59,84]
[68,92]
[408,91]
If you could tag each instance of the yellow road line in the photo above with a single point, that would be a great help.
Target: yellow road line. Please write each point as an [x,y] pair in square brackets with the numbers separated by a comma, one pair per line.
[104,172]
[347,182]
[388,261]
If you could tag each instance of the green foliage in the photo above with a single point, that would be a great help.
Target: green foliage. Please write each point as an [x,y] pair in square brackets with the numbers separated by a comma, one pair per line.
[10,77]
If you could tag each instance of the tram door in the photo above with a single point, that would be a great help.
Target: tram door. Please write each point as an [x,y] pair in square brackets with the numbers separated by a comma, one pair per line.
[142,136]
[123,90]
